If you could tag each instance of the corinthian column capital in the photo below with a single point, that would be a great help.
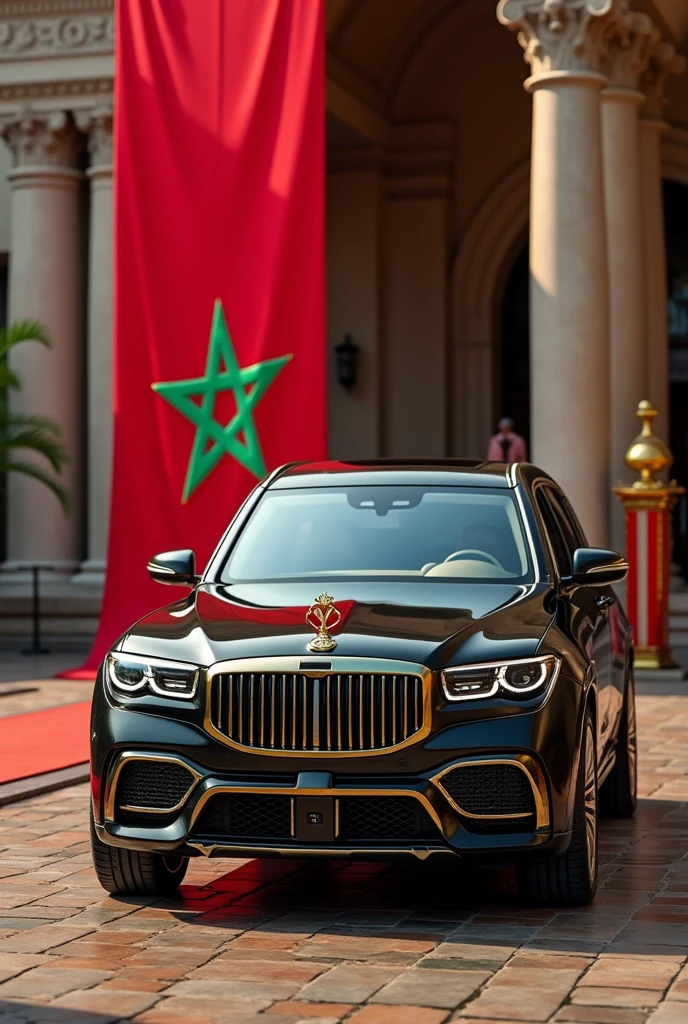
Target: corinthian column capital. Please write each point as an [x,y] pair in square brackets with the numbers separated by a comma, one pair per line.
[629,46]
[42,139]
[97,125]
[560,35]
[663,61]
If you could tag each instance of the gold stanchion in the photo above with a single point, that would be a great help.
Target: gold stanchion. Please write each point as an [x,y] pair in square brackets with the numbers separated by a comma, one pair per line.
[648,503]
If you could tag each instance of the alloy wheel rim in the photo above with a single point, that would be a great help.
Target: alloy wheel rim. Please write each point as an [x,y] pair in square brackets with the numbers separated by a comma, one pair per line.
[590,804]
[632,737]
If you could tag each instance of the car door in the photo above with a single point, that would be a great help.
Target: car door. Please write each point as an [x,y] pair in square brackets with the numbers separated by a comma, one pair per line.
[589,606]
[618,643]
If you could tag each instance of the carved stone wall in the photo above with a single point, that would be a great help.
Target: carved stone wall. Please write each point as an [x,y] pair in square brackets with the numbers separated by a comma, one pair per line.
[39,36]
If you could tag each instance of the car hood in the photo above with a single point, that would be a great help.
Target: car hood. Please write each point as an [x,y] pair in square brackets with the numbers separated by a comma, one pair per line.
[434,624]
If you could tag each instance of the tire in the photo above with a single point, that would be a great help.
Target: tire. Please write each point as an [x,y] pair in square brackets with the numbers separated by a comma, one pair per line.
[618,797]
[132,873]
[570,880]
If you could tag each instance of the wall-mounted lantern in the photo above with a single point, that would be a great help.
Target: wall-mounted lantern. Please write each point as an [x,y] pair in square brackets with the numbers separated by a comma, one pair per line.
[346,354]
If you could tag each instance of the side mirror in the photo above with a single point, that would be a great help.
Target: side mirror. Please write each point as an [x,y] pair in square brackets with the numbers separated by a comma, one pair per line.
[597,567]
[177,568]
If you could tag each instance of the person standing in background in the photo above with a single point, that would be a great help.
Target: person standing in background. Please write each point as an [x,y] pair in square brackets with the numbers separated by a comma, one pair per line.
[507,445]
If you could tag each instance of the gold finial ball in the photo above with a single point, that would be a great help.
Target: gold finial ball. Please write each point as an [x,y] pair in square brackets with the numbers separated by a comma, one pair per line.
[648,454]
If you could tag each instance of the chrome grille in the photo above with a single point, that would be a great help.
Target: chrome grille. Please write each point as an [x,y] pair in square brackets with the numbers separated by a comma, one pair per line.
[336,712]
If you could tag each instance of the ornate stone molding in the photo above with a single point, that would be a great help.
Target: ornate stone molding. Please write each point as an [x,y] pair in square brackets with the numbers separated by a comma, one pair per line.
[22,8]
[42,140]
[560,35]
[630,44]
[663,62]
[63,36]
[97,125]
[78,89]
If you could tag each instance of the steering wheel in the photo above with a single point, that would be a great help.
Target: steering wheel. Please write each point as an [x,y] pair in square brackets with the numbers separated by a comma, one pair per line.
[468,552]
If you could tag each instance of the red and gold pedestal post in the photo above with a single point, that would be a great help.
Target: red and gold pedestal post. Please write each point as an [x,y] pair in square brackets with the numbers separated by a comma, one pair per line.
[648,504]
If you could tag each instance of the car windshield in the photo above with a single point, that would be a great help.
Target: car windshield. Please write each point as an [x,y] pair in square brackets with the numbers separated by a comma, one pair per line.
[409,532]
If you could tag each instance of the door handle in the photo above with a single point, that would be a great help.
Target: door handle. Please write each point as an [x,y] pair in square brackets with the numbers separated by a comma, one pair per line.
[604,600]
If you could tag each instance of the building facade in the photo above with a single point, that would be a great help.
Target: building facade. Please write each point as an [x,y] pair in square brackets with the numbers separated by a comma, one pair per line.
[466,214]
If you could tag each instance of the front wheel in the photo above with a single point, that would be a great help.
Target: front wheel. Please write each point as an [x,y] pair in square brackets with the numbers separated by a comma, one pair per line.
[570,880]
[133,873]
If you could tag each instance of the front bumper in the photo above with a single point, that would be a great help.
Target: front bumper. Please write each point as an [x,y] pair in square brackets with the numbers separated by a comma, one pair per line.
[541,743]
[454,831]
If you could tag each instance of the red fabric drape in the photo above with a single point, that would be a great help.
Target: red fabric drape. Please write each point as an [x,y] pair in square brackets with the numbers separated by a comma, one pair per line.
[219,178]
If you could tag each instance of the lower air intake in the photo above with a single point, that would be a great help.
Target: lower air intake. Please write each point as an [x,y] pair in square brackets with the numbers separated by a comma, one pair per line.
[157,784]
[490,790]
[246,816]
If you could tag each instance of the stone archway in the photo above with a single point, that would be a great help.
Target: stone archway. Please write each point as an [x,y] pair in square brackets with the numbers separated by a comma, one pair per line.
[483,260]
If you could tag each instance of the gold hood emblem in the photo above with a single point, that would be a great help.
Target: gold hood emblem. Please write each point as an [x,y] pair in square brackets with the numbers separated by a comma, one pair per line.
[322,616]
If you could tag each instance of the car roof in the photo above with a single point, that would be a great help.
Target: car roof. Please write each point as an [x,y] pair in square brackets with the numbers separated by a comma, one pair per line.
[433,472]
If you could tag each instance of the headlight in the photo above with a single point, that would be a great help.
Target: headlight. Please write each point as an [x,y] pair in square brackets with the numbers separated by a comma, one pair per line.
[523,678]
[129,673]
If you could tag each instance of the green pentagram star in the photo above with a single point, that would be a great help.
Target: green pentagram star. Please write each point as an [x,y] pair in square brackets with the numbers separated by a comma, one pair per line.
[222,373]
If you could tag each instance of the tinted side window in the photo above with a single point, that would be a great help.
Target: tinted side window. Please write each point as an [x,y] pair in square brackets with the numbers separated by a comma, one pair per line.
[565,527]
[581,539]
[561,553]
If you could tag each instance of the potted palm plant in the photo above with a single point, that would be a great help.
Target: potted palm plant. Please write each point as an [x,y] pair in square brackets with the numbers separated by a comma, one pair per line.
[23,436]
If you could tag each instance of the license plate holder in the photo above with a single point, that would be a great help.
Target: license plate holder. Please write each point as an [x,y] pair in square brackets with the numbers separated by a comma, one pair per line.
[314,819]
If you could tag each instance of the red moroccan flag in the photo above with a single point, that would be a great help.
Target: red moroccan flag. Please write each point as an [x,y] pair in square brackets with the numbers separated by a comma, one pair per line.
[219,331]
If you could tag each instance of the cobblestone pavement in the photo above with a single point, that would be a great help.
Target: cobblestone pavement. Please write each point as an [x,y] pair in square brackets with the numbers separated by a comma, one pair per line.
[279,942]
[35,695]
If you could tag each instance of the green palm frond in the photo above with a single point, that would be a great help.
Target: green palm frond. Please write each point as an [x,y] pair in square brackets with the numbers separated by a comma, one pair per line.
[8,378]
[8,465]
[26,432]
[22,330]
[21,419]
[35,439]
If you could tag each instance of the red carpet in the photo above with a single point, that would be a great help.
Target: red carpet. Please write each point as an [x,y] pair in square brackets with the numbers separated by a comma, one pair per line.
[44,741]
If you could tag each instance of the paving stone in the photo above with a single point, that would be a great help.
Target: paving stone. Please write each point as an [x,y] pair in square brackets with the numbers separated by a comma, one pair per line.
[97,1000]
[668,1013]
[38,940]
[12,964]
[350,983]
[436,988]
[599,1015]
[397,1015]
[639,997]
[631,973]
[261,992]
[44,981]
[523,994]
[297,1008]
[205,1010]
[300,972]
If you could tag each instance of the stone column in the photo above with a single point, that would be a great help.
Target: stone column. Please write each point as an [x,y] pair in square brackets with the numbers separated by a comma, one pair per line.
[563,42]
[664,61]
[627,55]
[354,256]
[45,285]
[97,124]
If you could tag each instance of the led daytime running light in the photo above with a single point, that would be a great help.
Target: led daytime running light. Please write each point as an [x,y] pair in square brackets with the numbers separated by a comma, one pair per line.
[474,689]
[152,667]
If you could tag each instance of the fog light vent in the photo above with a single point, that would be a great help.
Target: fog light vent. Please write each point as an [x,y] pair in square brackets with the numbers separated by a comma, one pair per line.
[489,790]
[158,784]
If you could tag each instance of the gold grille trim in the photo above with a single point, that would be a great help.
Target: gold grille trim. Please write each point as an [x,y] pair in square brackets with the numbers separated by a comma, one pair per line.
[354,706]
